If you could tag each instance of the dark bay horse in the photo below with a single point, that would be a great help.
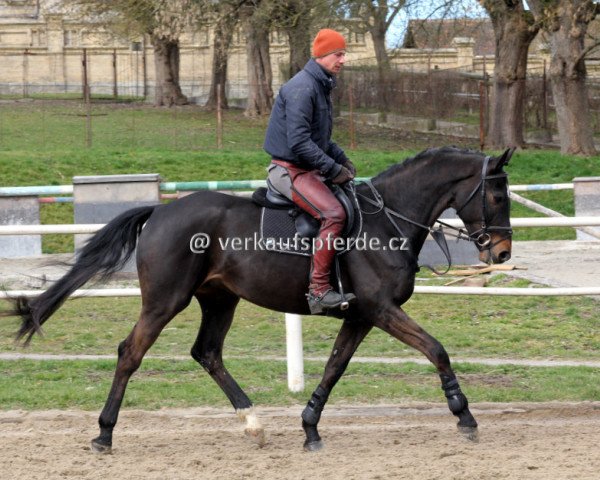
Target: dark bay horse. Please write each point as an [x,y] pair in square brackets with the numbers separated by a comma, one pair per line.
[404,201]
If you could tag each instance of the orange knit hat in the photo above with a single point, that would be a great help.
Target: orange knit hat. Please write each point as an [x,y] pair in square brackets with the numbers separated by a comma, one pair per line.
[327,41]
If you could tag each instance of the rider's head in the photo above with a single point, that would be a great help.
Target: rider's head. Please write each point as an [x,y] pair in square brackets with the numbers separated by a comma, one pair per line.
[329,50]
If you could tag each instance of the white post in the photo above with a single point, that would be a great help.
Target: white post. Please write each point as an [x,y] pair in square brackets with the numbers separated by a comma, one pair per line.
[295,357]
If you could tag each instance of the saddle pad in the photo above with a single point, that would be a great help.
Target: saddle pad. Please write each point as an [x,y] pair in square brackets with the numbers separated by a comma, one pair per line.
[278,234]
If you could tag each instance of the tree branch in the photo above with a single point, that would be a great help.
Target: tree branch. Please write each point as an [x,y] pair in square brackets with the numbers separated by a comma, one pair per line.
[587,50]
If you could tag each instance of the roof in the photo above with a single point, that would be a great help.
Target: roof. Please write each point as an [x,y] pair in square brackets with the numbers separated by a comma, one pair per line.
[439,34]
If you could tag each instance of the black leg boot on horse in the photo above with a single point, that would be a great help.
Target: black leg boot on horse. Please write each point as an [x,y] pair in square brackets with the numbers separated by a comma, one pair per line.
[311,194]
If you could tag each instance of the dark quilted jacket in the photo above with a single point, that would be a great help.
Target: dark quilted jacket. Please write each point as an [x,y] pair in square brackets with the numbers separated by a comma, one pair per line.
[301,122]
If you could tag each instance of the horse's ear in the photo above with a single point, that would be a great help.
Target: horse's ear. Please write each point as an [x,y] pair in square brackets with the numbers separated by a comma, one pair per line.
[498,162]
[505,158]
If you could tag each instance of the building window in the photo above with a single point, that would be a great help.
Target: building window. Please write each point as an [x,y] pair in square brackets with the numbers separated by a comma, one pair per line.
[38,37]
[356,37]
[201,37]
[238,37]
[71,38]
[278,37]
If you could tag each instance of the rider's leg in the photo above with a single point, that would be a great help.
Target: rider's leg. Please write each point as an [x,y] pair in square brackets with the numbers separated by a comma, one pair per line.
[312,195]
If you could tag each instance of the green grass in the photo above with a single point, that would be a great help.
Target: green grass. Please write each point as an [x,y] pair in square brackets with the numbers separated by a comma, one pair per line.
[31,385]
[46,141]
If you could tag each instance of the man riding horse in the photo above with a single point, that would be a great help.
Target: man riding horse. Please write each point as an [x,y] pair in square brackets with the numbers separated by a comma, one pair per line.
[304,158]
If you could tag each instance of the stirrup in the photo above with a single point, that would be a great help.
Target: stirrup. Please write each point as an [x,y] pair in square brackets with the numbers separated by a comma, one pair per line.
[328,300]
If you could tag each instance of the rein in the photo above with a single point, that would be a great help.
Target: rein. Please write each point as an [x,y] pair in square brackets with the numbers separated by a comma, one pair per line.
[436,233]
[481,237]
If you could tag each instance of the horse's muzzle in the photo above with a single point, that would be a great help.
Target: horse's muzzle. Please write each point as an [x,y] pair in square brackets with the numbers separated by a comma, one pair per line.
[498,253]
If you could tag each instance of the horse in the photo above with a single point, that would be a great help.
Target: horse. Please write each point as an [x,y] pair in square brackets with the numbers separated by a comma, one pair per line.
[406,199]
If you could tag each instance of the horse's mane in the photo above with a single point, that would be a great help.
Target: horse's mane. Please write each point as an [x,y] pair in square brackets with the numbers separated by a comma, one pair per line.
[426,154]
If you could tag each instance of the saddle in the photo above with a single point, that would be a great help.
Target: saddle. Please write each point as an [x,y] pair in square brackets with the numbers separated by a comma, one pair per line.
[286,228]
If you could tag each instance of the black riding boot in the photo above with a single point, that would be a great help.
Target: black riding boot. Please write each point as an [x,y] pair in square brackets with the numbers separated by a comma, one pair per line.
[328,300]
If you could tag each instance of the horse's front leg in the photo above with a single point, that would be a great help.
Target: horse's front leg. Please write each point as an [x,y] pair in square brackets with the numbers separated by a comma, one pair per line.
[398,324]
[348,339]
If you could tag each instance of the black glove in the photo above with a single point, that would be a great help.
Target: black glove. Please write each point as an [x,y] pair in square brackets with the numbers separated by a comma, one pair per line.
[344,176]
[350,166]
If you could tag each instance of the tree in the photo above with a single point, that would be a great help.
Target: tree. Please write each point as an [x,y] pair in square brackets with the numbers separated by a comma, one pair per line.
[226,19]
[375,17]
[256,26]
[514,29]
[295,18]
[566,24]
[163,22]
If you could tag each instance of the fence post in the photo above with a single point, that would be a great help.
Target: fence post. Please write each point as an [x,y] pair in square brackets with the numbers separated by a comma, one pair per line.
[219,118]
[351,121]
[100,198]
[144,68]
[21,210]
[114,66]
[87,100]
[26,73]
[482,110]
[432,122]
[86,87]
[295,358]
[547,135]
[586,191]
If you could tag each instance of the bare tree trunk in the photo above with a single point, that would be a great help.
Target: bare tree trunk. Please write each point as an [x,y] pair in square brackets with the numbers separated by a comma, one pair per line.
[222,41]
[568,79]
[260,75]
[166,60]
[300,41]
[566,22]
[378,32]
[513,31]
[381,14]
[297,24]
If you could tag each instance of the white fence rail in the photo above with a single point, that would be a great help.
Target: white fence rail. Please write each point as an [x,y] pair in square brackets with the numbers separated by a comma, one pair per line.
[426,290]
[94,227]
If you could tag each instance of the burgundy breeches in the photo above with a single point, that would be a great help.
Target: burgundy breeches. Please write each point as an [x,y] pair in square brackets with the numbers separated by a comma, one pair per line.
[311,194]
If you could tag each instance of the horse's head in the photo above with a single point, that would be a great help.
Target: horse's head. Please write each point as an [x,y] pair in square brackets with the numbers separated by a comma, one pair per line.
[484,207]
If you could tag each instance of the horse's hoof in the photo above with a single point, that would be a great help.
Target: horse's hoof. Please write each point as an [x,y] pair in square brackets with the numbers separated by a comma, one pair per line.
[470,433]
[257,435]
[98,447]
[313,446]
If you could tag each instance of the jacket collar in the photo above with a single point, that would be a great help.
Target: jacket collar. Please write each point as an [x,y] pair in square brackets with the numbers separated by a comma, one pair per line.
[322,76]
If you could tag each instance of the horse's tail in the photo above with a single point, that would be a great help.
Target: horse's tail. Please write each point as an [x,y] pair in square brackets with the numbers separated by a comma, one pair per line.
[103,254]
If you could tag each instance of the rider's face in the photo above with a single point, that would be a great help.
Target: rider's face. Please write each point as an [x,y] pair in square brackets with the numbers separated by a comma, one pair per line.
[333,62]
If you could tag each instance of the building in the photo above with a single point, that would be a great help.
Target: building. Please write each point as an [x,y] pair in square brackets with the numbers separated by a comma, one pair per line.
[42,47]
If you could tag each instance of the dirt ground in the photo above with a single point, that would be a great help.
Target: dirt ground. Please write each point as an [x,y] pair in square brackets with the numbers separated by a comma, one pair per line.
[411,441]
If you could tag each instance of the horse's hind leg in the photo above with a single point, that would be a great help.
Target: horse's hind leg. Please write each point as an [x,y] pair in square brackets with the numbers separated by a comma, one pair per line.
[217,315]
[398,324]
[131,351]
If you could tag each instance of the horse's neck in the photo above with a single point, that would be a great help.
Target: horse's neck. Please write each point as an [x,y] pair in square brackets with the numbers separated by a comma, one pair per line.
[420,191]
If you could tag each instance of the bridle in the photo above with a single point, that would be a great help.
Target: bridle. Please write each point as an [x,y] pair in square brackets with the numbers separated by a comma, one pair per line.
[481,237]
